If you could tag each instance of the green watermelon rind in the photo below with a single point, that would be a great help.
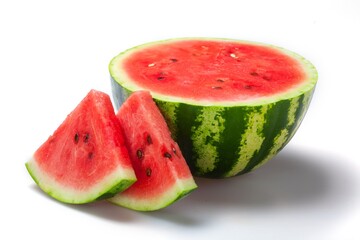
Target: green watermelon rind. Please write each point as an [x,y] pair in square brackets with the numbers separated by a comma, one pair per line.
[181,189]
[241,137]
[229,145]
[115,182]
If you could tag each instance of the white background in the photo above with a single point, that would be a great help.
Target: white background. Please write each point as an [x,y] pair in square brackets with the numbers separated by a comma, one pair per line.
[53,52]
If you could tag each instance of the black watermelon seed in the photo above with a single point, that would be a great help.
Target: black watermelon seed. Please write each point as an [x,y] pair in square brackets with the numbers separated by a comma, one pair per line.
[148,172]
[86,138]
[173,59]
[139,154]
[76,138]
[161,76]
[167,155]
[148,139]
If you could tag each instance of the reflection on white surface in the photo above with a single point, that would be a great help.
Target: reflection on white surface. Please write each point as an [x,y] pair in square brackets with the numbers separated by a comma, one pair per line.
[298,191]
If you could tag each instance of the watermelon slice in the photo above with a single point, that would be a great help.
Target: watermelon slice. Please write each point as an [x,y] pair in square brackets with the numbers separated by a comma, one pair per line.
[162,173]
[86,158]
[231,105]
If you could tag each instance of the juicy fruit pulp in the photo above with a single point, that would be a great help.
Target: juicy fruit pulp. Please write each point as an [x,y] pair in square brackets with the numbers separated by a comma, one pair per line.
[86,158]
[215,70]
[162,173]
[231,105]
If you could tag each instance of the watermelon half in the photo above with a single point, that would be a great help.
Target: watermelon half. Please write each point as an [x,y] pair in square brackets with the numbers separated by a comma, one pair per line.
[231,105]
[163,175]
[86,158]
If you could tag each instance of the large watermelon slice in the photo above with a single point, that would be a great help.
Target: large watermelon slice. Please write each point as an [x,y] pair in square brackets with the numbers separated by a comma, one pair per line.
[231,105]
[162,173]
[86,158]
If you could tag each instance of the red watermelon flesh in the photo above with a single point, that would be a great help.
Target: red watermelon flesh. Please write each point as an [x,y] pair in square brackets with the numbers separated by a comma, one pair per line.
[86,157]
[162,173]
[229,71]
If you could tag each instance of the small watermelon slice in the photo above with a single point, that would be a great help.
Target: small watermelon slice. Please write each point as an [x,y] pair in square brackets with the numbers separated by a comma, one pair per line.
[86,158]
[162,172]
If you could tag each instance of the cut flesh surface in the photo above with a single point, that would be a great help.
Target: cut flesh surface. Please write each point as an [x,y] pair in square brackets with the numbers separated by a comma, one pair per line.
[162,173]
[216,71]
[86,158]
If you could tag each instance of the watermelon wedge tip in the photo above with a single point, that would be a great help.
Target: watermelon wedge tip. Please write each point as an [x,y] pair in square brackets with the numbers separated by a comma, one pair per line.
[163,175]
[85,159]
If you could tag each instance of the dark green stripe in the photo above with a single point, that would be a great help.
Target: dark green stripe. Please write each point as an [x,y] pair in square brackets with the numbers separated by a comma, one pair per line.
[186,115]
[277,116]
[230,140]
[299,111]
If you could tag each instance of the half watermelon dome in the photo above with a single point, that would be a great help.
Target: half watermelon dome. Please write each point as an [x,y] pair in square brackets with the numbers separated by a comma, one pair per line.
[86,158]
[231,105]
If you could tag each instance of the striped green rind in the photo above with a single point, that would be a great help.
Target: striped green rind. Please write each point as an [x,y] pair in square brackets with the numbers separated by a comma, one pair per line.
[227,139]
[115,182]
[237,139]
